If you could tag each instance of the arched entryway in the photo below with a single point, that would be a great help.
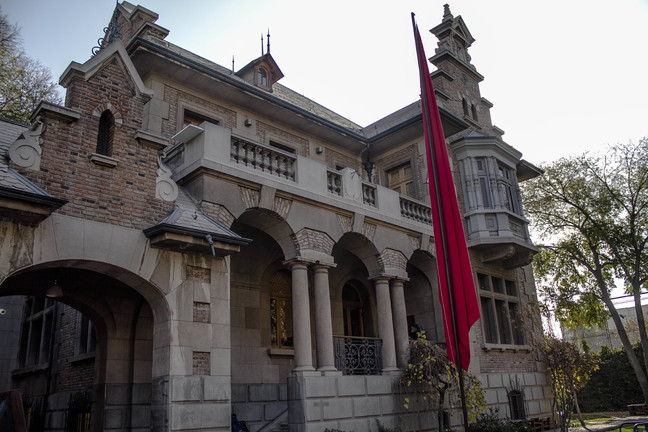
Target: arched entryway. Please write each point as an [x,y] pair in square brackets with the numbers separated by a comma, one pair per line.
[86,344]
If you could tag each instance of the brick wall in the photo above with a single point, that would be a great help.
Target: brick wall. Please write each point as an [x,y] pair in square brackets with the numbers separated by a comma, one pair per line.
[122,195]
[72,375]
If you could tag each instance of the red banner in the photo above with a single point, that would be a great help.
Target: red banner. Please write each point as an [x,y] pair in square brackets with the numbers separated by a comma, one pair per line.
[456,283]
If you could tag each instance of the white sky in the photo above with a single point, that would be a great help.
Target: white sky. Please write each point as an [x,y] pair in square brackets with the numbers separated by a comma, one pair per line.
[564,76]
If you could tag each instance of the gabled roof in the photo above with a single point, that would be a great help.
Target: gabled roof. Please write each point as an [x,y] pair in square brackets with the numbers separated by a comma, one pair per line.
[104,56]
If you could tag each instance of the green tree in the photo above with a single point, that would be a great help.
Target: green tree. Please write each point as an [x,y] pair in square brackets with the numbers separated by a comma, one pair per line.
[24,82]
[568,371]
[431,380]
[591,213]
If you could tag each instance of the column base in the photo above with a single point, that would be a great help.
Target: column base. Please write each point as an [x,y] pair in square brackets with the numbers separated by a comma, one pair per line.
[391,371]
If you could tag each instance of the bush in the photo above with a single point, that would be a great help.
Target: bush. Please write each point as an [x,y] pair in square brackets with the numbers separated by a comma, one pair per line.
[614,386]
[491,422]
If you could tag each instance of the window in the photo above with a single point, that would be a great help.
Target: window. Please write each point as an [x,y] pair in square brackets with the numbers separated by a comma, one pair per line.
[500,311]
[473,109]
[282,147]
[86,340]
[281,324]
[194,118]
[484,187]
[464,104]
[106,133]
[516,404]
[507,178]
[400,179]
[36,331]
[262,77]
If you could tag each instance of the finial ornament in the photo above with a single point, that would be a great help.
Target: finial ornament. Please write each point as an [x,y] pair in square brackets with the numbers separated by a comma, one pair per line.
[268,41]
[446,12]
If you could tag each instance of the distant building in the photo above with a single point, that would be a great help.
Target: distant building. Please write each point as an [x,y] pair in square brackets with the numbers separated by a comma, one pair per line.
[607,335]
[181,242]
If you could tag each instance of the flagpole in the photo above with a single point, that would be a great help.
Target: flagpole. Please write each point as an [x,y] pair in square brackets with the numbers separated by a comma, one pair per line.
[426,118]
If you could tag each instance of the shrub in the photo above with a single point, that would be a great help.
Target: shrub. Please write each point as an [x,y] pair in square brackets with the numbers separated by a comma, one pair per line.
[491,422]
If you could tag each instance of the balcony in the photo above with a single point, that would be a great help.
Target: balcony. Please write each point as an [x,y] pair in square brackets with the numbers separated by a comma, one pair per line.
[358,355]
[211,147]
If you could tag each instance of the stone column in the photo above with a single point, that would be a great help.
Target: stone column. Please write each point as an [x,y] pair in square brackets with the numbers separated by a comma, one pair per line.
[301,317]
[401,335]
[385,325]
[323,322]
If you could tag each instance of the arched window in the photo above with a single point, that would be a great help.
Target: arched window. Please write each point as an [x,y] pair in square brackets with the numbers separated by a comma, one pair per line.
[281,323]
[474,112]
[464,104]
[106,133]
[262,77]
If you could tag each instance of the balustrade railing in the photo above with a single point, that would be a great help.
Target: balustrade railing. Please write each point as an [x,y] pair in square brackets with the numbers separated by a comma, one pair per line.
[415,210]
[369,194]
[358,355]
[262,158]
[334,182]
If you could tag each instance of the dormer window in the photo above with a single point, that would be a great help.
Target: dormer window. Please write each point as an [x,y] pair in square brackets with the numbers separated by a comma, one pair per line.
[262,77]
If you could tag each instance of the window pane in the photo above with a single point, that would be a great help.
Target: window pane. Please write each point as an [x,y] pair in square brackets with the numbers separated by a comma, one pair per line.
[518,334]
[285,322]
[483,282]
[488,320]
[485,192]
[498,285]
[503,322]
[273,322]
[510,288]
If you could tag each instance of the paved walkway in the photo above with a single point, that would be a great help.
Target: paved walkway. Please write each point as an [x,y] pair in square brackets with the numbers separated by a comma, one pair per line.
[606,425]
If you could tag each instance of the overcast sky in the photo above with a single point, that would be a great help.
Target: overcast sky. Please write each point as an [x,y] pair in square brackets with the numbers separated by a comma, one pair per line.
[564,76]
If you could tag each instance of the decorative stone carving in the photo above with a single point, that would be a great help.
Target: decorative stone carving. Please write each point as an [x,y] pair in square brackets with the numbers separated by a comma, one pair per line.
[26,150]
[165,188]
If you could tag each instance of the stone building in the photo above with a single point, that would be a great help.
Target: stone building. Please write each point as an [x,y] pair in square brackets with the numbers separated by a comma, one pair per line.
[182,241]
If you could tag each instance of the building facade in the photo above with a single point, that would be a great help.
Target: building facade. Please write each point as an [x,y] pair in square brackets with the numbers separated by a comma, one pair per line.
[183,242]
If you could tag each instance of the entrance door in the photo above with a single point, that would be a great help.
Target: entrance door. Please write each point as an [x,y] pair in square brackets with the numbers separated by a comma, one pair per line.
[353,316]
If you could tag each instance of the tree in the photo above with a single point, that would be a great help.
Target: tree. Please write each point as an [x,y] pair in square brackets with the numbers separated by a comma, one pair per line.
[591,213]
[430,377]
[24,82]
[568,371]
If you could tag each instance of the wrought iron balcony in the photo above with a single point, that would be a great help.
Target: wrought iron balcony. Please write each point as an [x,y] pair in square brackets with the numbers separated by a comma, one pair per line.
[358,355]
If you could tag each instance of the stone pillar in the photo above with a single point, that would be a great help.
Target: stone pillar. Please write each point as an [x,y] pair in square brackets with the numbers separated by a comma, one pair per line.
[401,335]
[323,322]
[301,317]
[385,325]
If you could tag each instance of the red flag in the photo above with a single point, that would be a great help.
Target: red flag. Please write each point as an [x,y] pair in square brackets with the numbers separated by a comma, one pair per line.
[456,284]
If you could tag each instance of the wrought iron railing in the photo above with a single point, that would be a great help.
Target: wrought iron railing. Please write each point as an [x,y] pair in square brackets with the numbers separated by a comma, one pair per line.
[262,158]
[358,355]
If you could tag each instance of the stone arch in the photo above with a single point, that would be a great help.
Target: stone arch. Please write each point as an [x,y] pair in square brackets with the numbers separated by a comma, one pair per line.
[422,296]
[270,223]
[363,249]
[130,317]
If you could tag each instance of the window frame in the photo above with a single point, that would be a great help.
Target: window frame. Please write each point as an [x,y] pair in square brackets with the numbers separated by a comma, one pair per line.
[403,183]
[500,312]
[278,297]
[36,333]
